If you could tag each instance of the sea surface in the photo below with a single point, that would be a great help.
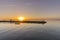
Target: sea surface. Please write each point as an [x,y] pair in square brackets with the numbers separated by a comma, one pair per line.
[28,31]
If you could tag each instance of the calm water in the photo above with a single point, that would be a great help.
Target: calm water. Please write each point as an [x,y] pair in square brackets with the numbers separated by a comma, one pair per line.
[48,31]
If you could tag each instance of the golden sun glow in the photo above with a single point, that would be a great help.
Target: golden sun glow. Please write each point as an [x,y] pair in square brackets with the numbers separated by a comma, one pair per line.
[21,18]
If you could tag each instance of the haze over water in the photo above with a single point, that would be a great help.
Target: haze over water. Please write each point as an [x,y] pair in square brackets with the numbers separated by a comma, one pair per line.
[23,10]
[48,31]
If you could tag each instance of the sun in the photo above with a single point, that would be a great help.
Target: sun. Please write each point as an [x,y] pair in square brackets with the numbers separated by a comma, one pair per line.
[21,18]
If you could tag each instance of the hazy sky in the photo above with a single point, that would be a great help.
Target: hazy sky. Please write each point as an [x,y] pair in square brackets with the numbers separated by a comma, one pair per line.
[30,8]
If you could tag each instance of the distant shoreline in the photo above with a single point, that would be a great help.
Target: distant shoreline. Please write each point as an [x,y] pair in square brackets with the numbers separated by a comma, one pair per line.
[40,22]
